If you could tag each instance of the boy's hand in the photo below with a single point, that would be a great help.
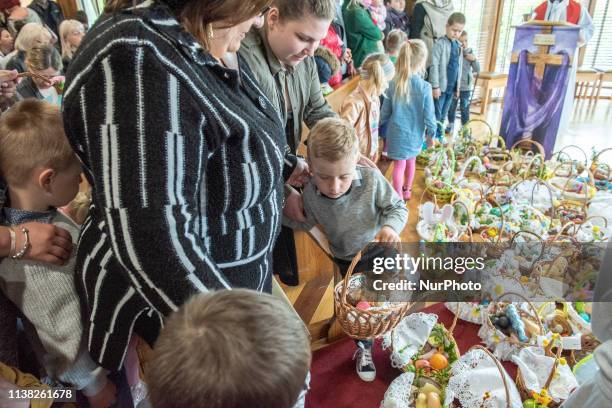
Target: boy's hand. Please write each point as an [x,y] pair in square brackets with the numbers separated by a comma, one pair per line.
[470,57]
[436,93]
[387,234]
[105,398]
[366,162]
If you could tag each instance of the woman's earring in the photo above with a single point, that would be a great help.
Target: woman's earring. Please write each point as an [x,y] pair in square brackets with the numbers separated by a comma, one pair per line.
[209,31]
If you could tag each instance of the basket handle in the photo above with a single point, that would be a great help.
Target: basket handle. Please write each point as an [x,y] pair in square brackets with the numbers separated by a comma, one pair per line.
[596,158]
[501,369]
[537,183]
[531,142]
[558,154]
[466,128]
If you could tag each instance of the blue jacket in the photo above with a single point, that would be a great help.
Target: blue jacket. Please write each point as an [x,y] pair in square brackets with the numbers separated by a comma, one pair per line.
[406,121]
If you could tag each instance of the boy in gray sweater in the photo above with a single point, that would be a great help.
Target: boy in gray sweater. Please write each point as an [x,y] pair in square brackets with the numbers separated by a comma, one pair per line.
[353,205]
[43,173]
[469,67]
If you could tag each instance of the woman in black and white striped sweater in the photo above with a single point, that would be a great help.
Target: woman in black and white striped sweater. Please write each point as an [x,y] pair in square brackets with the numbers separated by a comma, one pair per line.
[185,157]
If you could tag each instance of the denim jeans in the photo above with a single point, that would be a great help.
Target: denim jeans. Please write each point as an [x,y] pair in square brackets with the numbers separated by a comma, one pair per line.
[464,106]
[442,105]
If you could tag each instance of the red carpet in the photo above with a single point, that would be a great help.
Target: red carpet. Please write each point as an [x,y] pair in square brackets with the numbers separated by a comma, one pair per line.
[335,384]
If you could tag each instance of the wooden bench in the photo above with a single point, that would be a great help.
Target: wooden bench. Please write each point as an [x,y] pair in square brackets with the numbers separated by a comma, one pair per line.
[585,78]
[489,81]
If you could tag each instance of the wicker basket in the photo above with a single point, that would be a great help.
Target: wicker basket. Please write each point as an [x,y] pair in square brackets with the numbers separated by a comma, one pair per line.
[467,133]
[442,188]
[529,151]
[527,268]
[601,170]
[520,384]
[421,224]
[600,217]
[364,324]
[502,372]
[539,182]
[498,305]
[561,159]
[497,156]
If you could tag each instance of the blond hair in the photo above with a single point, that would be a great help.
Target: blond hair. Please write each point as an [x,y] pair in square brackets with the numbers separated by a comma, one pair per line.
[372,67]
[32,34]
[394,40]
[410,61]
[65,28]
[42,57]
[32,136]
[332,139]
[230,349]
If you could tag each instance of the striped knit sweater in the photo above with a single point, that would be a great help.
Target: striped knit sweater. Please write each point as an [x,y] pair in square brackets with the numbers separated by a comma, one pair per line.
[185,158]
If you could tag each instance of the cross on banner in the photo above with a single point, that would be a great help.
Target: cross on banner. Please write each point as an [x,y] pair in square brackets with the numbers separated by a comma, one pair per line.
[543,57]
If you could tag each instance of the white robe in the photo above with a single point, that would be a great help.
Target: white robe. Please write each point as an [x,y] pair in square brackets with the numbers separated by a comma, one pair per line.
[557,11]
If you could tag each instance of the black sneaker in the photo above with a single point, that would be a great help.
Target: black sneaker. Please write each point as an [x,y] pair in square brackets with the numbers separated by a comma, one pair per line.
[364,364]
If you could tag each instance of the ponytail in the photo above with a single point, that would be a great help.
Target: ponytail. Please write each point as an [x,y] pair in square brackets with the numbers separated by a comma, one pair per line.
[410,61]
[374,72]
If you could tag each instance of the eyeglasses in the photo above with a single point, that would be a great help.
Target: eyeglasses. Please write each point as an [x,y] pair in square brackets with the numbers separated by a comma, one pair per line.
[264,11]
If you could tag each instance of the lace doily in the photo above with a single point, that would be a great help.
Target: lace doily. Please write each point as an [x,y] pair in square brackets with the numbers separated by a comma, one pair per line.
[408,337]
[541,195]
[398,393]
[495,340]
[535,369]
[470,312]
[475,374]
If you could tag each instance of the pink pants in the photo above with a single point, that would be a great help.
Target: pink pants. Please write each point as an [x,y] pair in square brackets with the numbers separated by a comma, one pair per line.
[403,176]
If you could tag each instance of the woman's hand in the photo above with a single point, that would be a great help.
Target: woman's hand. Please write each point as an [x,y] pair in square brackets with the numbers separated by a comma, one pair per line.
[8,83]
[294,206]
[105,398]
[48,243]
[300,175]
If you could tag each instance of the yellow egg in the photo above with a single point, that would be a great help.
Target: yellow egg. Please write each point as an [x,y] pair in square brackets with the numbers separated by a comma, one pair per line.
[438,361]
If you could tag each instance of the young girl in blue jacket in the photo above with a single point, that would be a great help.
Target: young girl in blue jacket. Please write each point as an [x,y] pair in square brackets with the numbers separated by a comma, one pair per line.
[409,115]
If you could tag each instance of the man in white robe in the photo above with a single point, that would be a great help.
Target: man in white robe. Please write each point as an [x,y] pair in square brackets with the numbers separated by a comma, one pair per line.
[570,11]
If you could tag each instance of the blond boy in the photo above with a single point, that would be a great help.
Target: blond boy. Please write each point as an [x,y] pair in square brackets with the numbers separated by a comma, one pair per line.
[354,205]
[43,173]
[230,349]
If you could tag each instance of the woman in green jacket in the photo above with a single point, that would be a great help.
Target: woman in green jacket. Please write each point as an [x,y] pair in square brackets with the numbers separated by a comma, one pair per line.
[362,35]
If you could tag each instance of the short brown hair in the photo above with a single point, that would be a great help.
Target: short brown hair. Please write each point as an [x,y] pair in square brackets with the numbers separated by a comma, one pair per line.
[332,139]
[195,15]
[289,10]
[32,135]
[456,18]
[230,349]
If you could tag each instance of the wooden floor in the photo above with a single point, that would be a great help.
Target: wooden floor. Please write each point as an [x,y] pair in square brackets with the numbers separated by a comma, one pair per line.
[313,298]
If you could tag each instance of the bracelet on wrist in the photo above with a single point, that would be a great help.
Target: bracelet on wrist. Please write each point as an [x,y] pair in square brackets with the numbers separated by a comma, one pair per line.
[26,244]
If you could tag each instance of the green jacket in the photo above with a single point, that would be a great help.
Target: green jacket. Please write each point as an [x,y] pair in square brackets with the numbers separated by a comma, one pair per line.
[362,34]
[302,82]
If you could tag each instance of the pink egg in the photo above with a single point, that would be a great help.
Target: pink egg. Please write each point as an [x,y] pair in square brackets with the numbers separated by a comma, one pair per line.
[363,305]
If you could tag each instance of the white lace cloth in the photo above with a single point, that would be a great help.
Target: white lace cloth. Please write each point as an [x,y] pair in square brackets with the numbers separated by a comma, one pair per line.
[475,374]
[468,311]
[398,393]
[542,199]
[408,337]
[536,367]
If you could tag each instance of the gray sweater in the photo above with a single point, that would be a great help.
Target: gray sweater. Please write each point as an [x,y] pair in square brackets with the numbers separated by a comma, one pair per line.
[46,296]
[353,220]
[468,71]
[440,56]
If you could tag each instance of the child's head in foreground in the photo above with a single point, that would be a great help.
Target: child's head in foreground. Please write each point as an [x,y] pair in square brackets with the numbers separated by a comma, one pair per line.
[36,160]
[230,349]
[333,152]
